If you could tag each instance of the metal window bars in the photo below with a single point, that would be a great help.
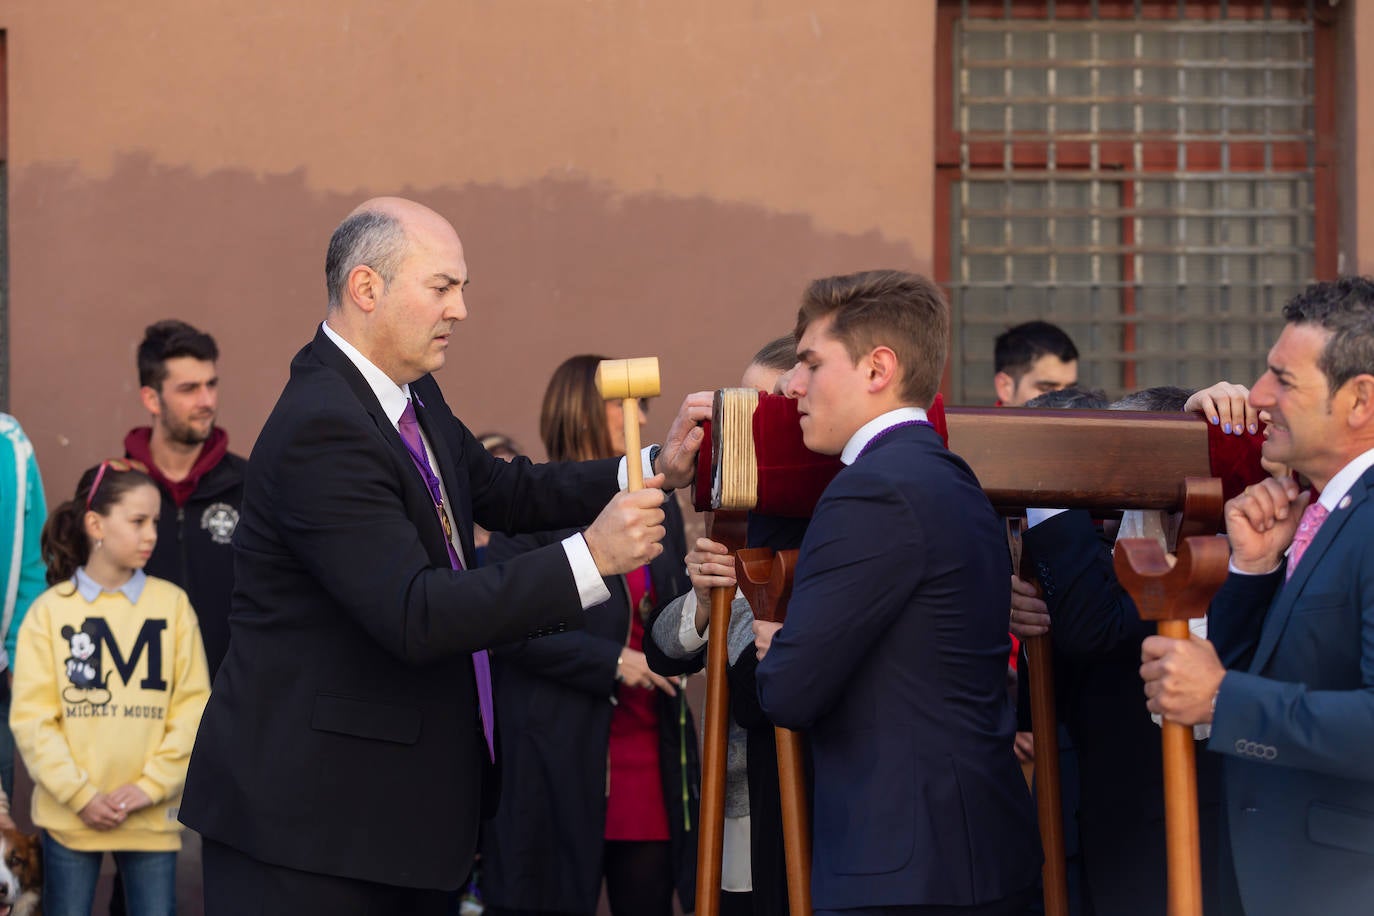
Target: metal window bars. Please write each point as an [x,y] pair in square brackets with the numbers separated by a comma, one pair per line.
[1143,176]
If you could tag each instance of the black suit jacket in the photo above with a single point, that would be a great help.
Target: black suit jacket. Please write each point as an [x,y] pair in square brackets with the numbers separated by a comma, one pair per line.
[1100,700]
[342,736]
[894,657]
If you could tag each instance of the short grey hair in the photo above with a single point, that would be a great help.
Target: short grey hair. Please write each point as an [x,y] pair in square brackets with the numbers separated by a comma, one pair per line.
[370,238]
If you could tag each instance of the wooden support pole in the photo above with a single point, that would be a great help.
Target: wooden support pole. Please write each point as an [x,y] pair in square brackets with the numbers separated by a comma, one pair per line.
[1049,810]
[796,827]
[1170,596]
[711,840]
[1048,796]
[729,529]
[765,578]
[1184,852]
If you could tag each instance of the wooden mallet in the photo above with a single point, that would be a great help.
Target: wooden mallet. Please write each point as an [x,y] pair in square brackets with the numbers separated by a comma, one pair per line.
[629,380]
[1171,597]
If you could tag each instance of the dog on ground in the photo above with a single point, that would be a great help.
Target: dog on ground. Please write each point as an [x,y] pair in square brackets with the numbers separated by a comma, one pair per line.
[21,874]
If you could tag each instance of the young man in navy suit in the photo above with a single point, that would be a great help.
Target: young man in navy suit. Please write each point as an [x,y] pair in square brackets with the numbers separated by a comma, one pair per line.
[894,652]
[1287,679]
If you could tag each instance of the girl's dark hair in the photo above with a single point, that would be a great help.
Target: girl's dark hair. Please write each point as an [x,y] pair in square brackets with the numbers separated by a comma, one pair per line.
[64,543]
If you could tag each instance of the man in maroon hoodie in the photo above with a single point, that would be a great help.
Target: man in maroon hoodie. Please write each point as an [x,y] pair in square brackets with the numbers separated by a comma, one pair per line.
[200,479]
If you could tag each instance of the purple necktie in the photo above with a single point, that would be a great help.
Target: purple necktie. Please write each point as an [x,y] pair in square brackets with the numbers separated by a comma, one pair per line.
[409,428]
[1312,518]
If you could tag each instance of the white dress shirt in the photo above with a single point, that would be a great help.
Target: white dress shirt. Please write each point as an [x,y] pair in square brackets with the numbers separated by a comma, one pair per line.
[875,427]
[393,398]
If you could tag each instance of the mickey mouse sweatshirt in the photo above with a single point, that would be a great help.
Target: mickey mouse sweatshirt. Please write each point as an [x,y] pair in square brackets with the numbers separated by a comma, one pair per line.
[109,687]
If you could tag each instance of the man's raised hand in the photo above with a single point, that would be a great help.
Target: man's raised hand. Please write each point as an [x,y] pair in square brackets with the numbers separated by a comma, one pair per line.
[1261,522]
[627,533]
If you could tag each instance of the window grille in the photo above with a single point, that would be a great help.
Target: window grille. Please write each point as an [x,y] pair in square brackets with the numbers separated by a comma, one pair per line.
[1145,176]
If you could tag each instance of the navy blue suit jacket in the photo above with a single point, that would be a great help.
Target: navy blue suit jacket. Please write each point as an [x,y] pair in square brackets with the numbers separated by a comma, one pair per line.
[342,736]
[894,659]
[1295,719]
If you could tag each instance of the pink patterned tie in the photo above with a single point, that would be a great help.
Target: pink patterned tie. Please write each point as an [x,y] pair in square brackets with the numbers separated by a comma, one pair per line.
[1312,518]
[409,428]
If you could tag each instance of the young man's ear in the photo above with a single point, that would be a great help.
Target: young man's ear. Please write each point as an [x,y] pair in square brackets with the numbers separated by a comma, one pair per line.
[151,400]
[1005,386]
[883,369]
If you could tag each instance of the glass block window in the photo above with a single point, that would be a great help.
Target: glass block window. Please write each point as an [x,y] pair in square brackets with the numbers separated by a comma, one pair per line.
[1150,177]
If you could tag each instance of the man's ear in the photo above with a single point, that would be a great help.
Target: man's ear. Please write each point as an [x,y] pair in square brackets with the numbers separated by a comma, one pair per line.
[151,400]
[364,287]
[883,369]
[1005,386]
[1361,401]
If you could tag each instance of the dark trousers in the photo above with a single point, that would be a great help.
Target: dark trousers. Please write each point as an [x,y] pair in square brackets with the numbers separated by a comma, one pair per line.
[736,903]
[639,881]
[239,885]
[1014,905]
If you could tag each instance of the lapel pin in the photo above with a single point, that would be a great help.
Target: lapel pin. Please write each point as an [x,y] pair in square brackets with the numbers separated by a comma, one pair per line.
[1344,503]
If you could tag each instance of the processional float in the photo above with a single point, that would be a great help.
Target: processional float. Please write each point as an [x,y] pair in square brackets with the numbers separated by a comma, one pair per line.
[753,459]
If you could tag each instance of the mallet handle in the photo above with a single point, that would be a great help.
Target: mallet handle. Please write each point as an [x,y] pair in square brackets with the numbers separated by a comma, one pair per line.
[634,465]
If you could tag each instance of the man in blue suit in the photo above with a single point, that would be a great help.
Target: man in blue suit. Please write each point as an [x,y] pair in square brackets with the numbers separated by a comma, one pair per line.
[894,651]
[1287,681]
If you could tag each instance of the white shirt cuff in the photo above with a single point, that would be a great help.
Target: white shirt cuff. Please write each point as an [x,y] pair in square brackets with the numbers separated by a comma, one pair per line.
[1231,565]
[1036,516]
[687,634]
[591,588]
[623,475]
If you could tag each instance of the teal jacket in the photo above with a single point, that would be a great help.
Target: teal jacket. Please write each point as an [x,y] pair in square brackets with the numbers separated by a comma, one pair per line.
[22,514]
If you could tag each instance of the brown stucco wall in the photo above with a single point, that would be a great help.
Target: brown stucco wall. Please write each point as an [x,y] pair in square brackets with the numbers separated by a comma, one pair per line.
[632,179]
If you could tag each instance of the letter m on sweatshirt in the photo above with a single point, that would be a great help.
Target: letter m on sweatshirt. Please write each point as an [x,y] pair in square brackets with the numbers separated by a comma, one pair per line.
[149,638]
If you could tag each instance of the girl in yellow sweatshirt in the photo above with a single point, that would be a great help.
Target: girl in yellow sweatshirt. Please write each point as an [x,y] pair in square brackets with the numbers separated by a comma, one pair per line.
[109,684]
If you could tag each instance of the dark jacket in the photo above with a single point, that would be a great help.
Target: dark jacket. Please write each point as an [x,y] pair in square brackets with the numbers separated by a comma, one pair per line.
[543,848]
[342,737]
[1097,636]
[193,537]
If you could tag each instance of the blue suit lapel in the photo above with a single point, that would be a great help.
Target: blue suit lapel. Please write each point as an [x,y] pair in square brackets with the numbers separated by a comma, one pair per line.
[1292,591]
